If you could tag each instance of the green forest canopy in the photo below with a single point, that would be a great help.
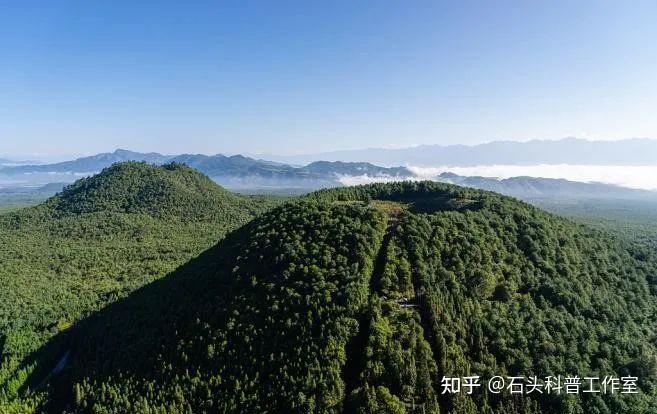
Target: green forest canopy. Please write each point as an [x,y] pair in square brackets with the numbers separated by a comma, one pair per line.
[97,241]
[355,299]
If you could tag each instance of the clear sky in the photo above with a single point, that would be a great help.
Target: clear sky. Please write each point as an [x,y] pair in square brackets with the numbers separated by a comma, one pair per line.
[308,76]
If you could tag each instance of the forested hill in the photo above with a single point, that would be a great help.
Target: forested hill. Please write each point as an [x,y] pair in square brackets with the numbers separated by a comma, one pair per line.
[360,300]
[96,242]
[172,190]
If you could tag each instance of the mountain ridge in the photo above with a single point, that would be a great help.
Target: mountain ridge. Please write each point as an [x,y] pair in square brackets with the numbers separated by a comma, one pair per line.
[235,170]
[247,174]
[528,188]
[90,164]
[575,151]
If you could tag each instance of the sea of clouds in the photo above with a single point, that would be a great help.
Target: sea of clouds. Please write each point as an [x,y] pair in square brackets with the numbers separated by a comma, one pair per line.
[641,177]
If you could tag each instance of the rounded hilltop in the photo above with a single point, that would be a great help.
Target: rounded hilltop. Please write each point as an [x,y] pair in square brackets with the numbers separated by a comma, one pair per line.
[167,191]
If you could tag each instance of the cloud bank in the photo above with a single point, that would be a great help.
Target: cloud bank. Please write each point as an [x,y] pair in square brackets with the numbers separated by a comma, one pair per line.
[639,177]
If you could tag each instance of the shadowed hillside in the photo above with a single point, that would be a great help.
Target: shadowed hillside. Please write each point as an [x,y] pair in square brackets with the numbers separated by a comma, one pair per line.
[96,242]
[355,300]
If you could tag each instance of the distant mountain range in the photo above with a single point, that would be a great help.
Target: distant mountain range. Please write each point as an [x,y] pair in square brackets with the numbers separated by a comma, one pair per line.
[10,162]
[532,188]
[235,171]
[565,151]
[244,173]
[91,164]
[239,171]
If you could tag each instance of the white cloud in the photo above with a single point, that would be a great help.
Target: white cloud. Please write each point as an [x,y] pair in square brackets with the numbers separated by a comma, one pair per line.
[366,179]
[643,177]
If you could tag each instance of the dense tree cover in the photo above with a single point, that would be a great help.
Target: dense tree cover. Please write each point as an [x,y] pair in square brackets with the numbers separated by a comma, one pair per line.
[505,289]
[516,291]
[398,369]
[420,197]
[633,222]
[258,324]
[16,202]
[96,242]
[171,191]
[360,300]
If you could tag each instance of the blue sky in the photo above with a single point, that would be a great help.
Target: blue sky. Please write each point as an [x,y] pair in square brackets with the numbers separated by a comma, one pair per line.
[298,77]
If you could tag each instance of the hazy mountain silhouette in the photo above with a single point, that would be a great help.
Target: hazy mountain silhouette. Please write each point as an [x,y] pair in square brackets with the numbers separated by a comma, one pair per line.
[529,188]
[234,171]
[564,151]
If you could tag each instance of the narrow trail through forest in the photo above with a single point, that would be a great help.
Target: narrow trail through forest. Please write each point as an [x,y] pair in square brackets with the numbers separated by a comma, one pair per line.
[357,347]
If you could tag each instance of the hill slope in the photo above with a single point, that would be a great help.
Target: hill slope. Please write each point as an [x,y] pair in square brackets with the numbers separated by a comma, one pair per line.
[96,242]
[172,190]
[361,300]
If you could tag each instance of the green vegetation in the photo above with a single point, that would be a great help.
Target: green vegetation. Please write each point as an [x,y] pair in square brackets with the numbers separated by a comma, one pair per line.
[347,300]
[99,240]
[173,191]
[632,220]
[257,324]
[15,198]
[16,202]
